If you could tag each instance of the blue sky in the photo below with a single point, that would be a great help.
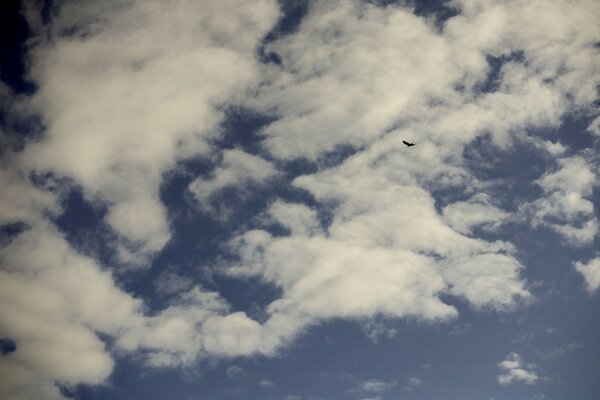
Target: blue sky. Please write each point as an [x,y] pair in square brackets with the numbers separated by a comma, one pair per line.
[212,200]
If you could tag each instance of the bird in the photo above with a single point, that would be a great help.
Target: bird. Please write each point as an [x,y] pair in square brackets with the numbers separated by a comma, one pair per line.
[407,143]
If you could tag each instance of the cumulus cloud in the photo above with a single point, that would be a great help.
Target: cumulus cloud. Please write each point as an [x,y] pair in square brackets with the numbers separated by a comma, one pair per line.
[126,93]
[298,218]
[53,301]
[515,371]
[566,206]
[463,216]
[132,90]
[590,272]
[386,237]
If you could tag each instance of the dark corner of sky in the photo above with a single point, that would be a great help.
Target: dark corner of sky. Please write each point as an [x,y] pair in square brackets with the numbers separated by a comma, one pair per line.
[14,32]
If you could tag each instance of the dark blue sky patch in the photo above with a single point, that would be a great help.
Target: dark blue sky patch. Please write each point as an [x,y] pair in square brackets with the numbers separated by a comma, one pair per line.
[14,31]
[19,129]
[293,11]
[494,76]
[518,165]
[9,231]
[572,132]
[83,225]
[437,10]
[250,295]
[297,166]
[241,129]
[337,156]
[7,345]
[449,195]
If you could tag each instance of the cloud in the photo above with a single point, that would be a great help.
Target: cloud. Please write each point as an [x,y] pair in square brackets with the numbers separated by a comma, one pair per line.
[566,206]
[387,250]
[170,282]
[594,126]
[561,350]
[413,383]
[124,92]
[373,389]
[377,386]
[298,218]
[514,371]
[590,272]
[267,384]
[131,91]
[21,200]
[52,303]
[353,92]
[463,216]
[135,88]
[235,372]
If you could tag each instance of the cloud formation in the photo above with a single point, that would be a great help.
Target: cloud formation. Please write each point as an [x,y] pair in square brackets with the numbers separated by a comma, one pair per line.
[127,91]
[566,206]
[591,273]
[133,89]
[514,371]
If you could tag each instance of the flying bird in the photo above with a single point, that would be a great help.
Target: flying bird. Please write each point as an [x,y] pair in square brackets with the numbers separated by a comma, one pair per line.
[407,143]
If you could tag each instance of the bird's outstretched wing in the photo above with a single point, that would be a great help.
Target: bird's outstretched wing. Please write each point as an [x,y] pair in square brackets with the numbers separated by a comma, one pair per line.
[407,143]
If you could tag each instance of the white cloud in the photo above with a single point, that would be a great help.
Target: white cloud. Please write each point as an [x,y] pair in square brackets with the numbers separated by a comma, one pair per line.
[135,89]
[138,87]
[370,83]
[591,273]
[487,280]
[514,371]
[463,216]
[377,385]
[371,69]
[21,200]
[595,126]
[566,207]
[52,302]
[235,371]
[267,384]
[300,219]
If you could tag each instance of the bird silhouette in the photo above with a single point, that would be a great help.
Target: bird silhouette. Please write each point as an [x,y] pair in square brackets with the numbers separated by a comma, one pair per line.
[407,143]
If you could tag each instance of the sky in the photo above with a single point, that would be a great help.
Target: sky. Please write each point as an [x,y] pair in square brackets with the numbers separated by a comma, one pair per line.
[211,200]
